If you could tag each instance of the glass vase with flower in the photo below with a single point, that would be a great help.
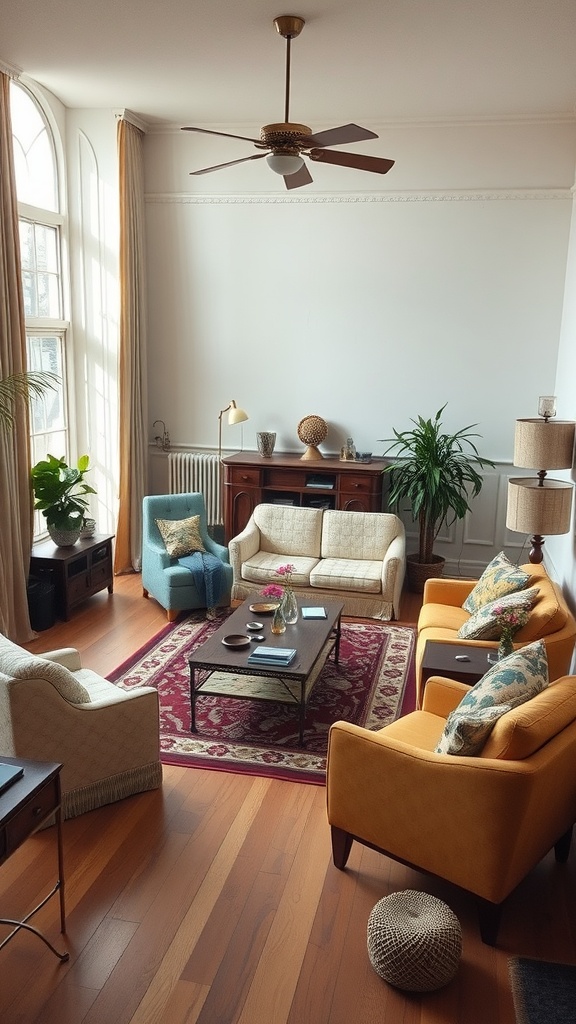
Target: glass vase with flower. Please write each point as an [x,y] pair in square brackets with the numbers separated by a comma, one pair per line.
[276,593]
[509,621]
[289,603]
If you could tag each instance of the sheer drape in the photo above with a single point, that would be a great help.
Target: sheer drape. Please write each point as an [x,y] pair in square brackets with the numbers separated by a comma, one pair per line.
[15,493]
[133,403]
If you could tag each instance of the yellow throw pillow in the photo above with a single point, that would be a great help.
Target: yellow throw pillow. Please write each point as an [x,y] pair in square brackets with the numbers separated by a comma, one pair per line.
[181,536]
[500,577]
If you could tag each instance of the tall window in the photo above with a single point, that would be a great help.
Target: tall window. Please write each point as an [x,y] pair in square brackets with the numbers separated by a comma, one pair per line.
[41,224]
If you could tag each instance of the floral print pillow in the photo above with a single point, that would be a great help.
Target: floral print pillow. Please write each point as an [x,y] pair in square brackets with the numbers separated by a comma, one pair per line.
[486,623]
[181,536]
[510,682]
[500,577]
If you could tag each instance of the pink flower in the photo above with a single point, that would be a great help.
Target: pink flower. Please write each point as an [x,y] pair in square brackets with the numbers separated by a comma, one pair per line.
[286,572]
[272,590]
[510,619]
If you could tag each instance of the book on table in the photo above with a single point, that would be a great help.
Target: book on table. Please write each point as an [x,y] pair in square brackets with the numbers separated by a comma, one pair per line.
[9,773]
[313,612]
[272,656]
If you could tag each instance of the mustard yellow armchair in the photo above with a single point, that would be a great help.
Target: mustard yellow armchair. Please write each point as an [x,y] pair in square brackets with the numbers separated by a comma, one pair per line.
[480,822]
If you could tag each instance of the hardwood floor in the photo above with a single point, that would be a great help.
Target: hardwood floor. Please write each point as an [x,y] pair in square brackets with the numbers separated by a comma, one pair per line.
[214,899]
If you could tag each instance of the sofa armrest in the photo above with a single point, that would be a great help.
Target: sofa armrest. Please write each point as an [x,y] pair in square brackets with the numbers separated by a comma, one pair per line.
[69,657]
[442,695]
[214,548]
[243,546]
[447,591]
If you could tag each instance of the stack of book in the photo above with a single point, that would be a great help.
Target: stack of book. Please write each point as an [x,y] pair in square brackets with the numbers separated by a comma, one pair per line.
[279,656]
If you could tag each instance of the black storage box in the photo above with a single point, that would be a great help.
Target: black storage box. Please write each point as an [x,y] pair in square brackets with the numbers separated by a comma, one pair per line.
[41,603]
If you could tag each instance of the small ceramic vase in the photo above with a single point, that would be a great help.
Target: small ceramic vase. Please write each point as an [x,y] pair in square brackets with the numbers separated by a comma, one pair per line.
[266,440]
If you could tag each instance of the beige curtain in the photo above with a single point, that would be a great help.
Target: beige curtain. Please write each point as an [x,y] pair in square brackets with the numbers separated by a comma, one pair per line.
[133,388]
[15,493]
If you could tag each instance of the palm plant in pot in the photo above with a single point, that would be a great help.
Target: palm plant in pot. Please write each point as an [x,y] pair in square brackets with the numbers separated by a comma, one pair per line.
[437,474]
[60,494]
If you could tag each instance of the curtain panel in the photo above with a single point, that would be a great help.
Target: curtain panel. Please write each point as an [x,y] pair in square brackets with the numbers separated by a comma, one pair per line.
[15,491]
[132,370]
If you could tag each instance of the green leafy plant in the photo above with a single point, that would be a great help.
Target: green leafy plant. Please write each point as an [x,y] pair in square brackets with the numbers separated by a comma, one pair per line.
[436,473]
[17,386]
[59,491]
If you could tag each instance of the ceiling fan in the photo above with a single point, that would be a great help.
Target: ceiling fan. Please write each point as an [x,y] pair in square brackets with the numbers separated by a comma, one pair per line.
[286,144]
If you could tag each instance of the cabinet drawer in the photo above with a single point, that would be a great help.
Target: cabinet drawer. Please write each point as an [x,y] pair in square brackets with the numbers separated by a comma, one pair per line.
[101,573]
[77,587]
[244,475]
[31,815]
[354,483]
[285,478]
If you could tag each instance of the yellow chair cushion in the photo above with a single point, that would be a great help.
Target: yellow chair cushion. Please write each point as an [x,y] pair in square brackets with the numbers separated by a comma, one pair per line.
[522,731]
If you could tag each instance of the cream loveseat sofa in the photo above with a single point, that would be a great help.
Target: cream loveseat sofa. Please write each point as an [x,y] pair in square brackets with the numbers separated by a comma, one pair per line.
[358,557]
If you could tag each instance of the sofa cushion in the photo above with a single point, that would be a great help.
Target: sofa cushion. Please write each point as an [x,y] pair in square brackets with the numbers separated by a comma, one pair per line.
[547,616]
[484,624]
[521,732]
[289,531]
[181,536]
[348,535]
[17,663]
[442,616]
[510,682]
[500,577]
[261,568]
[363,577]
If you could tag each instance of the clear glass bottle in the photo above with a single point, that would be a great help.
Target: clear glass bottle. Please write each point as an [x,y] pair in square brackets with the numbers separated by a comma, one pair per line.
[289,607]
[278,622]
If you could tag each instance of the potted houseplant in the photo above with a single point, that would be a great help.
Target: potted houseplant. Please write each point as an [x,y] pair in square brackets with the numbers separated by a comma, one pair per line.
[31,383]
[59,492]
[437,474]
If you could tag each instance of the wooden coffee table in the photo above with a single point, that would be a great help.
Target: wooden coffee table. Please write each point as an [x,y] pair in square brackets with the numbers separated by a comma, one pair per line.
[313,639]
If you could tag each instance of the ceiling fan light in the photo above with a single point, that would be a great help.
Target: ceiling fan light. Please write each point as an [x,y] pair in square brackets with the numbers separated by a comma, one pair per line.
[284,163]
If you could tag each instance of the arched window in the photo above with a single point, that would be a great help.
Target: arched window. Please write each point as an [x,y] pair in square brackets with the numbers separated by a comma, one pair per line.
[41,225]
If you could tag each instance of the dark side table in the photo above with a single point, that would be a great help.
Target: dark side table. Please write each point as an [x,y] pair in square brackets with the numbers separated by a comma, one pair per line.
[440,660]
[24,806]
[77,572]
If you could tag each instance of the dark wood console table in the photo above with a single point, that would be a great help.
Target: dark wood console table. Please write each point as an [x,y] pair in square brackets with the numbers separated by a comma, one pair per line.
[250,479]
[76,572]
[24,806]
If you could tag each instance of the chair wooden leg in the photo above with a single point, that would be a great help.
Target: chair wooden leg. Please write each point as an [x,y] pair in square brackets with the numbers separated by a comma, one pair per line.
[489,915]
[562,847]
[341,846]
[172,614]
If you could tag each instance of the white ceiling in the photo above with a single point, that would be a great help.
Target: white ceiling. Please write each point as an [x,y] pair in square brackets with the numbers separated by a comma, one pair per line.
[221,62]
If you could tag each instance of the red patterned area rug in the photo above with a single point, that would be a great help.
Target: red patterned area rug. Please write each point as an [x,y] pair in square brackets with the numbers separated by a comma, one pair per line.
[372,685]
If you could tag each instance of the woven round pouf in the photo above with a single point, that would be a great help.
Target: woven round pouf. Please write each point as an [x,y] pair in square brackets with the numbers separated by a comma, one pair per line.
[414,941]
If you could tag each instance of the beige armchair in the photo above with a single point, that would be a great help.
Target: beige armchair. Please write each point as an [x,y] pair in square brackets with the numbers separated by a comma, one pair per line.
[51,709]
[480,822]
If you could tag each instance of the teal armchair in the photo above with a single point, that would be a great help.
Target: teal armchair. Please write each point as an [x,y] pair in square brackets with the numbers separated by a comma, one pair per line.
[171,584]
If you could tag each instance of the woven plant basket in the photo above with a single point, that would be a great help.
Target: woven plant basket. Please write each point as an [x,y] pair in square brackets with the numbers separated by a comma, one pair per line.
[419,572]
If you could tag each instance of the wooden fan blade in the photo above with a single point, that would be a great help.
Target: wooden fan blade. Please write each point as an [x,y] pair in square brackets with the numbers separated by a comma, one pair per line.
[225,135]
[340,136]
[229,163]
[301,177]
[362,163]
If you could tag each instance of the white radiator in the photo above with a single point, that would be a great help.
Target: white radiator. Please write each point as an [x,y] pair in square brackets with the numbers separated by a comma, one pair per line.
[197,471]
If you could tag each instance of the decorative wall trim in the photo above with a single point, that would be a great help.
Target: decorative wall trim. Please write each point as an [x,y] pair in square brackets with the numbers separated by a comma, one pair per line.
[12,70]
[456,121]
[123,114]
[425,196]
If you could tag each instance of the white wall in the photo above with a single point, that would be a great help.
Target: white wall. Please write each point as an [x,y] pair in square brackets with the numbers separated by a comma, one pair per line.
[368,304]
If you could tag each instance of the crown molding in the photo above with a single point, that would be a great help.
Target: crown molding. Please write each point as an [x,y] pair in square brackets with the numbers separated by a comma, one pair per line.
[123,114]
[486,121]
[423,196]
[12,70]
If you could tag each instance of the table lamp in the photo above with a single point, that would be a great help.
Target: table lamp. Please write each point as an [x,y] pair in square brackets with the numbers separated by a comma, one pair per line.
[539,505]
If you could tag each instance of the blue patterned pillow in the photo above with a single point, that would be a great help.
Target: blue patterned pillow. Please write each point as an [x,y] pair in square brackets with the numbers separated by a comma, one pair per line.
[510,682]
[484,624]
[500,577]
